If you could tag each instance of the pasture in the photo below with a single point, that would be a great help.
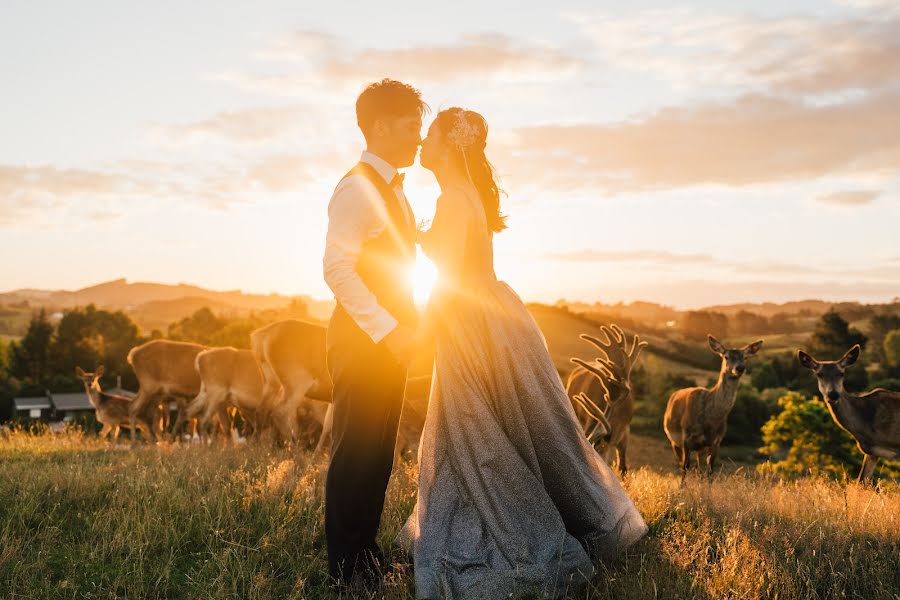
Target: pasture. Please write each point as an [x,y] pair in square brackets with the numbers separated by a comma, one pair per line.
[84,519]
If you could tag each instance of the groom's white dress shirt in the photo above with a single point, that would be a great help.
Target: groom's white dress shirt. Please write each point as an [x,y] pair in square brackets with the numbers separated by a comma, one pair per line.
[356,214]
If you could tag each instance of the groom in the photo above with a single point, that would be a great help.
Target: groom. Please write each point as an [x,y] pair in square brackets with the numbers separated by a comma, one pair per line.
[369,251]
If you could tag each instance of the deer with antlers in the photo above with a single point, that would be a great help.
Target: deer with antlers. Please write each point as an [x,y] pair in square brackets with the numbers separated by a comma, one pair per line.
[696,418]
[112,411]
[607,380]
[873,418]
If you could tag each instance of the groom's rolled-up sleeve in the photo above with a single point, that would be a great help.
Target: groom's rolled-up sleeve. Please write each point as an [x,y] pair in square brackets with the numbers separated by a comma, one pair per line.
[351,221]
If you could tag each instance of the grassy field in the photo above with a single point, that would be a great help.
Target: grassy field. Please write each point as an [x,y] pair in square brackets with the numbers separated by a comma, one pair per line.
[81,519]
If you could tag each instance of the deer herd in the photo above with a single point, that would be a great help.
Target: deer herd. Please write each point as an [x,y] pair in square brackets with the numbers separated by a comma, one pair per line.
[280,389]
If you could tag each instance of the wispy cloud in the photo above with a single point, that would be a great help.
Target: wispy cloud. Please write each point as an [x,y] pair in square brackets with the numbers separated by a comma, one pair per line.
[800,55]
[650,256]
[320,62]
[253,125]
[29,191]
[848,198]
[752,140]
[887,269]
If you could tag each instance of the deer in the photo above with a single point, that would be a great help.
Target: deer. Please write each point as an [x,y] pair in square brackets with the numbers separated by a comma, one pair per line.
[165,371]
[112,411]
[873,418]
[696,418]
[229,378]
[297,387]
[606,380]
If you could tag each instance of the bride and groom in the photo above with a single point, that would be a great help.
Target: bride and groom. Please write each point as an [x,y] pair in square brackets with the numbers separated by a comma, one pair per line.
[512,500]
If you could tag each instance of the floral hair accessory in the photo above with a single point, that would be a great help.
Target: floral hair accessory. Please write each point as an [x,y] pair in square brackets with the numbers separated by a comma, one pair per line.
[463,133]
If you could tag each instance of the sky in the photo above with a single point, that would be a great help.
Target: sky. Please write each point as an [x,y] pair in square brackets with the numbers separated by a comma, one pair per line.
[689,155]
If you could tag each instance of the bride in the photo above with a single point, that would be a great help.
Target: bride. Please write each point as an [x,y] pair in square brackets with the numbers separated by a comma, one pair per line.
[512,499]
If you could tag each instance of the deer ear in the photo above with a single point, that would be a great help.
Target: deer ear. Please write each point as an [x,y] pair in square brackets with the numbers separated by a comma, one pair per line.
[806,360]
[99,372]
[751,349]
[850,357]
[79,371]
[715,345]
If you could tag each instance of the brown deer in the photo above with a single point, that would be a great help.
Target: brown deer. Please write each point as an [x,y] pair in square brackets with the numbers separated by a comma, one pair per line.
[165,371]
[873,418]
[229,379]
[606,381]
[296,384]
[696,418]
[112,411]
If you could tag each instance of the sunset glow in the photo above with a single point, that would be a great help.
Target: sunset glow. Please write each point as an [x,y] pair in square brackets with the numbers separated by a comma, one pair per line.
[628,140]
[423,276]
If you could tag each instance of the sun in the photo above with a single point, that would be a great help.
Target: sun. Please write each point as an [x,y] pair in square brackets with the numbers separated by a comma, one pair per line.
[423,277]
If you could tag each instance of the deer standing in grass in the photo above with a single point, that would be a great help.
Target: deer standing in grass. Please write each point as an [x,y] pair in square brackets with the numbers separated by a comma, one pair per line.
[112,411]
[296,396]
[229,379]
[165,371]
[607,380]
[873,418]
[696,418]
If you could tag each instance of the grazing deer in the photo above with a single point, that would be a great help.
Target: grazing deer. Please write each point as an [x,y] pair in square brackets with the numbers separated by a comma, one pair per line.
[112,411]
[296,384]
[696,418]
[165,371]
[228,378]
[607,380]
[873,418]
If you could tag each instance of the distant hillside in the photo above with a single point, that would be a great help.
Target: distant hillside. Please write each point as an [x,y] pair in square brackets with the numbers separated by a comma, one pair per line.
[151,305]
[562,329]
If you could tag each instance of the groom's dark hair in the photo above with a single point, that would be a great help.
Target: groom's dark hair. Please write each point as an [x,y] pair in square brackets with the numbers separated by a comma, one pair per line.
[387,98]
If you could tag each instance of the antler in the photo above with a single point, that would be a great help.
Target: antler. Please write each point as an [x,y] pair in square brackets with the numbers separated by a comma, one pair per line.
[593,411]
[620,359]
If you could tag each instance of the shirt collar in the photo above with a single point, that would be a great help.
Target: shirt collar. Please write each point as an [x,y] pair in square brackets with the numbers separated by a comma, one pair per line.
[385,169]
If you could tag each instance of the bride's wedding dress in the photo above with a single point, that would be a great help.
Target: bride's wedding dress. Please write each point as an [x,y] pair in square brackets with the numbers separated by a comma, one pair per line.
[512,499]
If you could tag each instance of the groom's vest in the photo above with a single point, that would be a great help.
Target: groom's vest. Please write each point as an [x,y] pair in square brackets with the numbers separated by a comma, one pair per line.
[385,262]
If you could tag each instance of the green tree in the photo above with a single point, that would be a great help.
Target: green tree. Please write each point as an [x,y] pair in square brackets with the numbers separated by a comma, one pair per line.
[30,357]
[697,324]
[199,328]
[803,439]
[879,327]
[764,375]
[746,323]
[892,348]
[88,337]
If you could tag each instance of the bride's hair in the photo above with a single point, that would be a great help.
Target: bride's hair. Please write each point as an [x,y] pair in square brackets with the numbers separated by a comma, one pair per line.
[465,133]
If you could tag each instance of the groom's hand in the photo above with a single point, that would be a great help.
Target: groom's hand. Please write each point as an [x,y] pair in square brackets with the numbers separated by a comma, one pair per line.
[401,342]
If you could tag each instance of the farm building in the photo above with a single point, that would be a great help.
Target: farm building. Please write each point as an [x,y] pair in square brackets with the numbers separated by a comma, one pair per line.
[34,407]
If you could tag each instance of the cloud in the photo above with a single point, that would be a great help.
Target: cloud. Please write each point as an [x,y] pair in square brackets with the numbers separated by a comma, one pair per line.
[698,293]
[651,256]
[848,198]
[885,270]
[31,191]
[797,55]
[253,125]
[324,62]
[752,140]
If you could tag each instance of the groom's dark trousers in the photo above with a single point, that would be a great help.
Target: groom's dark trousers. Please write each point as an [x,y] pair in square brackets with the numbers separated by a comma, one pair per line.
[368,394]
[368,397]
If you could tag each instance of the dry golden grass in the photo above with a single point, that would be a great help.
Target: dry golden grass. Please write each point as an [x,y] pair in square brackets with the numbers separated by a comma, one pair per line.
[80,519]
